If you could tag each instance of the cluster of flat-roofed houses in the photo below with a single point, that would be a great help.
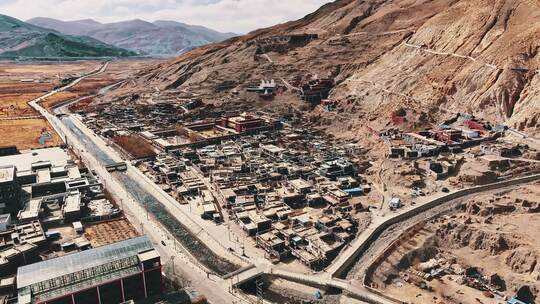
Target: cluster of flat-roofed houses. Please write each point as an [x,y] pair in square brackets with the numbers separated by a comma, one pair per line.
[292,202]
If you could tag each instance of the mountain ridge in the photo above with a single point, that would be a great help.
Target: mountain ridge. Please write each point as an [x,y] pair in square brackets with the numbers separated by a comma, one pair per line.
[160,38]
[20,39]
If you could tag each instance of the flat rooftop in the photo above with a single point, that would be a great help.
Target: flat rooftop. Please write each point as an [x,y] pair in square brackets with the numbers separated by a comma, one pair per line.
[73,203]
[273,149]
[56,156]
[30,210]
[7,174]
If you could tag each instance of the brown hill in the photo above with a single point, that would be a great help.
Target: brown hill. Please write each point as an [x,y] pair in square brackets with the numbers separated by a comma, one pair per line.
[429,57]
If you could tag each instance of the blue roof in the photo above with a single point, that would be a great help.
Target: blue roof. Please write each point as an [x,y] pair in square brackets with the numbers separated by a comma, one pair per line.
[354,190]
[514,300]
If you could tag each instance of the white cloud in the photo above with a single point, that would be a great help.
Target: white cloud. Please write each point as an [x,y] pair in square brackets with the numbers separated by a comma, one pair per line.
[224,15]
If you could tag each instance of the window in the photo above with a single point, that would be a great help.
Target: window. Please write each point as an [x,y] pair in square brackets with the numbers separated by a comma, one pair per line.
[41,286]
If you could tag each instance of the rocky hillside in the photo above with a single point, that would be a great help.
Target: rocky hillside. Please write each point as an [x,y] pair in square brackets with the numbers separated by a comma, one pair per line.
[430,58]
[162,38]
[20,39]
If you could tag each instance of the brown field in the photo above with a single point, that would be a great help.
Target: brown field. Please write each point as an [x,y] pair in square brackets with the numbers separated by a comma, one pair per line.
[82,105]
[110,232]
[92,85]
[136,146]
[16,105]
[15,71]
[15,95]
[24,133]
[7,87]
[57,99]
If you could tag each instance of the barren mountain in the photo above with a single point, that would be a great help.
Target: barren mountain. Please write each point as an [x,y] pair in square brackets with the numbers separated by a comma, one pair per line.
[429,58]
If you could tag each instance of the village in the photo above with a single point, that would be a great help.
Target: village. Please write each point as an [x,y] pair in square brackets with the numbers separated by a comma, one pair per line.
[337,152]
[294,192]
[277,188]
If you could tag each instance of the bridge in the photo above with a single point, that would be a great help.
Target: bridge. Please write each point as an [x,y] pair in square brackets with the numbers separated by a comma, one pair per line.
[120,167]
[244,275]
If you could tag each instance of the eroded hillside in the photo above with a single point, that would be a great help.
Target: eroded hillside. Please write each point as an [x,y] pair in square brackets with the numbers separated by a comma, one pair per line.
[430,58]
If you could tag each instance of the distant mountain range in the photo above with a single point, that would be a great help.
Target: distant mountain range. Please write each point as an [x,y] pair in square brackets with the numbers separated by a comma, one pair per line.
[160,38]
[21,39]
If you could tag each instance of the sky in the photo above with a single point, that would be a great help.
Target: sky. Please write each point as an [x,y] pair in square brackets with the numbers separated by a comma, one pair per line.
[239,16]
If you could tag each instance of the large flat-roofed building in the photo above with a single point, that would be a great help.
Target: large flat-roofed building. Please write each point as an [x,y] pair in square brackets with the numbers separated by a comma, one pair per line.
[55,157]
[243,123]
[111,274]
[43,173]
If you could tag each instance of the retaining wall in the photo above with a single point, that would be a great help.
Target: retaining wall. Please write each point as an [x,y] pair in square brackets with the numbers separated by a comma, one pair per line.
[341,272]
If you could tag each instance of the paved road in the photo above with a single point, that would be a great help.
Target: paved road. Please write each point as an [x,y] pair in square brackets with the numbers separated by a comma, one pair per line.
[214,288]
[355,290]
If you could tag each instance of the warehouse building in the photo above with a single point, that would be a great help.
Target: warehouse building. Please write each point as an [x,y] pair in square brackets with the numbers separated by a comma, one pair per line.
[115,273]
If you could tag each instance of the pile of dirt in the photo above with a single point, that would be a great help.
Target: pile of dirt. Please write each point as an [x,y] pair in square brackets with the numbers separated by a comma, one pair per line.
[476,177]
[406,174]
[456,234]
[522,260]
[427,251]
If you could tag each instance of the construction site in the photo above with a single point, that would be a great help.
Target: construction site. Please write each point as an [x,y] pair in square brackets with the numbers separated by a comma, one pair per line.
[477,251]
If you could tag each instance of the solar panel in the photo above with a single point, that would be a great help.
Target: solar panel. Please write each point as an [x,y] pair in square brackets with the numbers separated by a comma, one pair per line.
[73,263]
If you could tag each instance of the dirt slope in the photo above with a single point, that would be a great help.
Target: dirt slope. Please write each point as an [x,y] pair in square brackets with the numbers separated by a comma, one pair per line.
[428,57]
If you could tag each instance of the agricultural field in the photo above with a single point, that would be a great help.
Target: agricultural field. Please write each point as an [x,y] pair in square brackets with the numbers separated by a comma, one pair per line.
[44,72]
[20,83]
[14,98]
[28,133]
[57,99]
[135,146]
[110,232]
